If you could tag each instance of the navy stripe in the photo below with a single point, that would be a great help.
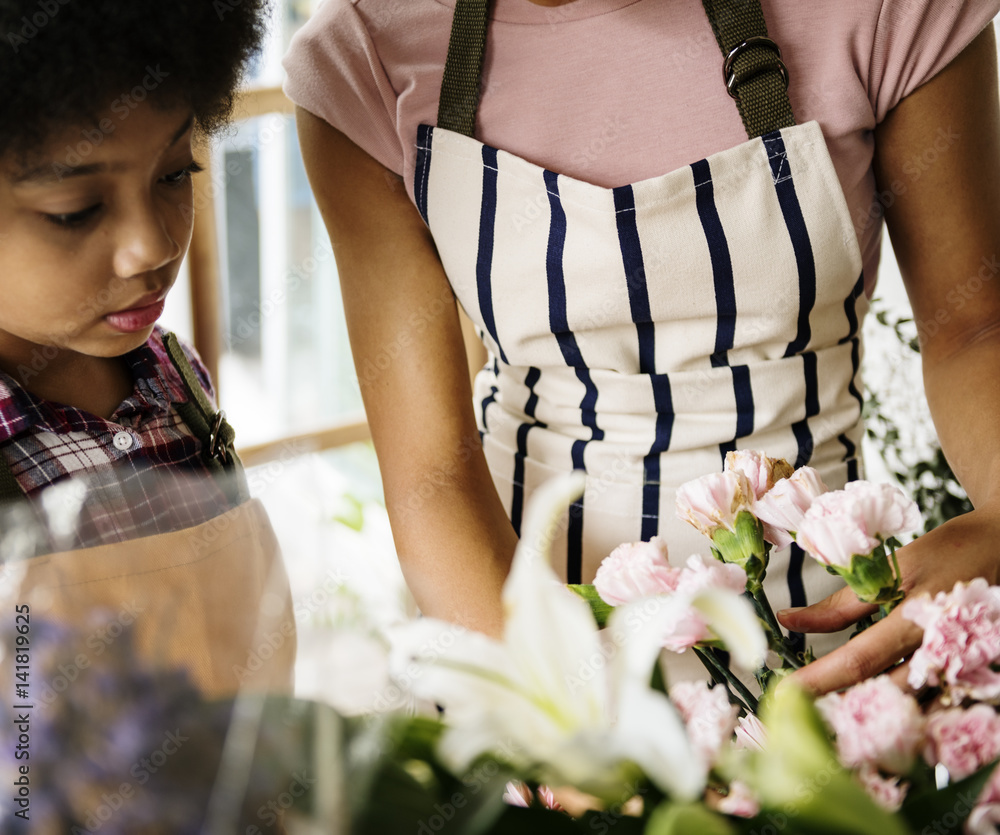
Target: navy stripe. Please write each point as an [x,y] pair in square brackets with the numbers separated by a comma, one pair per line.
[638,296]
[422,169]
[804,440]
[725,300]
[489,398]
[791,210]
[744,401]
[574,543]
[484,259]
[722,265]
[801,430]
[635,277]
[809,365]
[559,325]
[663,400]
[851,309]
[650,497]
[855,366]
[796,591]
[517,499]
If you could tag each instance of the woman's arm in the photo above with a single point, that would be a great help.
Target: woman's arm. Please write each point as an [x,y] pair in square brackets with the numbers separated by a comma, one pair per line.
[454,540]
[945,230]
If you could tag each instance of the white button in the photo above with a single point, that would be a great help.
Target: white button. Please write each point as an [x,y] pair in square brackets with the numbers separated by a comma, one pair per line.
[123,440]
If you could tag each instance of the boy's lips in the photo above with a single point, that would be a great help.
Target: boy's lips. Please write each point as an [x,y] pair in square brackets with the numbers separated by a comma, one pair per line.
[143,314]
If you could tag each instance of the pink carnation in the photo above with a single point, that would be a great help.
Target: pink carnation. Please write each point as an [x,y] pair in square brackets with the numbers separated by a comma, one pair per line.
[762,472]
[714,501]
[984,820]
[708,715]
[985,817]
[687,625]
[741,802]
[751,735]
[887,792]
[635,570]
[842,523]
[876,724]
[518,794]
[781,509]
[963,740]
[700,573]
[961,641]
[832,532]
[887,510]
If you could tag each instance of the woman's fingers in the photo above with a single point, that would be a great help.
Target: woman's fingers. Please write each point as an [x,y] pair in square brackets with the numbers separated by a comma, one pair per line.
[870,653]
[833,613]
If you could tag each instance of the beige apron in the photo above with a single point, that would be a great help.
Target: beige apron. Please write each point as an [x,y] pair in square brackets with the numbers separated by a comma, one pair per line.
[213,599]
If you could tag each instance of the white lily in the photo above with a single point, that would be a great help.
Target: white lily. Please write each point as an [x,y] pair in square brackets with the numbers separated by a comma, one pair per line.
[559,700]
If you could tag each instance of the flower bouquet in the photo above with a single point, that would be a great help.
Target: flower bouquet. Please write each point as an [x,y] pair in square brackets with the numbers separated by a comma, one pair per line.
[569,723]
[573,695]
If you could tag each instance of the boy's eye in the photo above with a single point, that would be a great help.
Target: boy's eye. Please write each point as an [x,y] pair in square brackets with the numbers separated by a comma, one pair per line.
[176,178]
[72,220]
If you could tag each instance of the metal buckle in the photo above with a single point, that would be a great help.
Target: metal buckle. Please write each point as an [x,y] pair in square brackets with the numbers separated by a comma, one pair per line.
[757,40]
[216,449]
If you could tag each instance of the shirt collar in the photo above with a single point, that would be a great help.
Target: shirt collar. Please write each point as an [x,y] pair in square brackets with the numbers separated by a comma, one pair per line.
[156,385]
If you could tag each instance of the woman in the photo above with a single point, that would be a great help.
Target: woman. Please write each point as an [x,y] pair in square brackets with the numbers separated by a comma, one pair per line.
[640,331]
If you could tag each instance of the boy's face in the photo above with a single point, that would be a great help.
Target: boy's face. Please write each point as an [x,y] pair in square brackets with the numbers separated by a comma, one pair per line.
[92,235]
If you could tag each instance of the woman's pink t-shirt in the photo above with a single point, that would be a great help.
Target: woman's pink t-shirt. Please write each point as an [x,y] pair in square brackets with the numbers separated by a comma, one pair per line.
[618,91]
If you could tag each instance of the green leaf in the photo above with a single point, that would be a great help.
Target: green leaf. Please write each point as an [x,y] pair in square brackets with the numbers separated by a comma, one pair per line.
[687,818]
[350,513]
[944,811]
[601,610]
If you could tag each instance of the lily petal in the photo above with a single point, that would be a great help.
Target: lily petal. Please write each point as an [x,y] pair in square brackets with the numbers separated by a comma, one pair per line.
[732,618]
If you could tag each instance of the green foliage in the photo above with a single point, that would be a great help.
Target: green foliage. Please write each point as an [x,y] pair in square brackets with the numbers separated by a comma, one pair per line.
[944,811]
[684,818]
[601,610]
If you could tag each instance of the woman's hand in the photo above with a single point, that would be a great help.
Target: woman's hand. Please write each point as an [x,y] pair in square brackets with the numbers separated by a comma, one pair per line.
[965,547]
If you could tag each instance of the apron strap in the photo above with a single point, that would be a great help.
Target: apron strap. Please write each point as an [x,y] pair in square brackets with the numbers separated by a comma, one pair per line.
[208,424]
[753,70]
[463,68]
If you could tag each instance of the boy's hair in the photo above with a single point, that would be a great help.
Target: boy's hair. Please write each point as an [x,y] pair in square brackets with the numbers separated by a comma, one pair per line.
[65,63]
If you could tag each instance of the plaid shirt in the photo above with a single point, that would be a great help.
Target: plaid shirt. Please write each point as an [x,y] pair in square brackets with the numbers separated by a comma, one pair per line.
[142,468]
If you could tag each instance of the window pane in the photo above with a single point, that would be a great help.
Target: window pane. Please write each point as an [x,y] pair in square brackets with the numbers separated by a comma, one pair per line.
[286,364]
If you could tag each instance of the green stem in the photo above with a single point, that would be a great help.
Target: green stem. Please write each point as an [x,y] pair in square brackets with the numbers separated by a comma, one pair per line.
[778,642]
[717,668]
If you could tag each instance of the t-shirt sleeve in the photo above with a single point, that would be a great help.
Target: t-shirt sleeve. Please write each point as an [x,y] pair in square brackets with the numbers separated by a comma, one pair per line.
[916,39]
[335,73]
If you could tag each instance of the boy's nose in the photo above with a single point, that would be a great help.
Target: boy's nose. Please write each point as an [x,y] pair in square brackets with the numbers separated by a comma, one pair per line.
[146,242]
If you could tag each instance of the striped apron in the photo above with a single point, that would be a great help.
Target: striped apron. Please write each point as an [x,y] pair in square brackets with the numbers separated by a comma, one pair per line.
[639,333]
